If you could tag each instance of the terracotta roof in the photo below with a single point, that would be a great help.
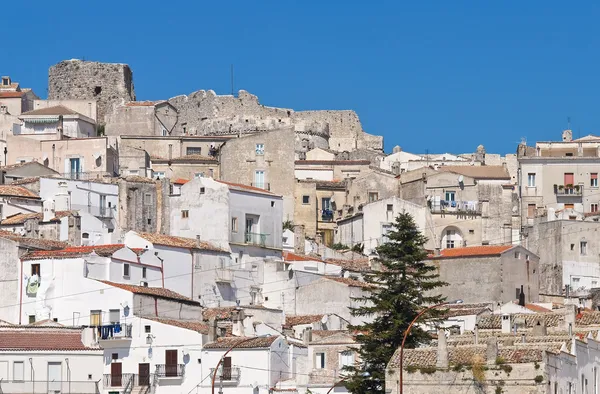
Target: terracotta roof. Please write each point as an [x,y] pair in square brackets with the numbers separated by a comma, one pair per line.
[348,281]
[36,243]
[222,313]
[494,322]
[194,158]
[5,95]
[289,256]
[180,181]
[20,218]
[159,292]
[24,181]
[356,265]
[200,327]
[537,308]
[588,318]
[139,179]
[333,162]
[291,321]
[464,312]
[74,251]
[239,186]
[179,242]
[37,339]
[478,172]
[469,251]
[56,110]
[17,191]
[255,343]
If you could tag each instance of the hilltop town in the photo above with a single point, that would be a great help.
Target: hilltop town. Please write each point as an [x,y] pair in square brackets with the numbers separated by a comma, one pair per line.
[142,240]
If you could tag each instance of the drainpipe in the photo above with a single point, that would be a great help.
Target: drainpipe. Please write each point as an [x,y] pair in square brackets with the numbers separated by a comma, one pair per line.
[192,261]
[155,306]
[21,291]
[162,269]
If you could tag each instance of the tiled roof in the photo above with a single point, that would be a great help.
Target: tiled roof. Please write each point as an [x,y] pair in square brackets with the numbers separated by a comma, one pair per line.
[179,242]
[321,334]
[193,158]
[494,322]
[588,318]
[36,243]
[356,265]
[471,251]
[254,343]
[289,256]
[24,181]
[333,162]
[202,328]
[17,191]
[348,281]
[20,218]
[537,308]
[138,179]
[56,110]
[222,313]
[479,172]
[239,186]
[44,339]
[335,184]
[464,312]
[5,95]
[151,291]
[291,321]
[74,251]
[180,181]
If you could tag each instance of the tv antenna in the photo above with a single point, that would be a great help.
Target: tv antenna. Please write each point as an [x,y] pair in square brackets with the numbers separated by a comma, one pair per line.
[232,79]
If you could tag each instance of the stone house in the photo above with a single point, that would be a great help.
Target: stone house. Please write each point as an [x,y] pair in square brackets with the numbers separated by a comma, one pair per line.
[52,225]
[263,160]
[491,274]
[15,100]
[50,120]
[31,169]
[142,204]
[142,118]
[186,167]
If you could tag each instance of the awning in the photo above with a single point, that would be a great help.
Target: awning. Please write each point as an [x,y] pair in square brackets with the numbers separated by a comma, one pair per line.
[41,120]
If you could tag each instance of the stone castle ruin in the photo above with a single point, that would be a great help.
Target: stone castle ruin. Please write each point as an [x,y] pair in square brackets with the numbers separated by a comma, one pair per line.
[206,113]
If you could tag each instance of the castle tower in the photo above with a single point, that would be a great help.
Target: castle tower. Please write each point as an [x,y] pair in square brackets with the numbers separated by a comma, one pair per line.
[107,83]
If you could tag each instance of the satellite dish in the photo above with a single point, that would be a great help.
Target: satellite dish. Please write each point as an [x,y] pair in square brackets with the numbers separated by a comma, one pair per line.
[185,351]
[324,319]
[460,179]
[125,304]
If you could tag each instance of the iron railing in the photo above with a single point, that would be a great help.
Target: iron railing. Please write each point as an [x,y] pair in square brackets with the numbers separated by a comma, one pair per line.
[263,185]
[170,370]
[85,176]
[115,331]
[568,190]
[117,380]
[227,375]
[102,212]
[46,387]
[256,239]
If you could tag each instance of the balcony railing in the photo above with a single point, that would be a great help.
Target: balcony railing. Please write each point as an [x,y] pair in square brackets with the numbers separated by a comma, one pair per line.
[224,275]
[46,387]
[85,176]
[256,239]
[264,185]
[568,190]
[101,212]
[456,207]
[327,215]
[115,331]
[229,375]
[170,370]
[117,380]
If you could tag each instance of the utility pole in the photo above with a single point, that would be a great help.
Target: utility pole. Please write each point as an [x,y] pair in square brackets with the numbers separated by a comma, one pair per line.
[232,80]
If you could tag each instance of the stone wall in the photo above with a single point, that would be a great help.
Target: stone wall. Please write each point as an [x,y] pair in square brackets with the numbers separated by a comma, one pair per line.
[107,83]
[138,202]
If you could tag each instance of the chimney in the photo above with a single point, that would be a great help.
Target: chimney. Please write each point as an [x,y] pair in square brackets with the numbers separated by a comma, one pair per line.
[238,322]
[307,336]
[442,350]
[522,297]
[570,317]
[88,337]
[59,128]
[476,331]
[567,136]
[539,328]
[523,340]
[506,324]
[3,109]
[48,207]
[212,330]
[299,239]
[491,351]
[170,152]
[198,241]
[396,149]
[437,252]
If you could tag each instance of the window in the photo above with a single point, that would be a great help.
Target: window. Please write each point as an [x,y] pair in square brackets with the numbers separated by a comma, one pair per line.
[572,246]
[319,360]
[35,269]
[95,318]
[575,280]
[147,329]
[164,132]
[450,196]
[199,175]
[593,207]
[193,150]
[531,180]
[19,371]
[149,221]
[326,203]
[202,190]
[373,196]
[385,229]
[260,149]
[159,174]
[114,315]
[594,179]
[583,248]
[147,199]
[259,179]
[211,172]
[390,207]
[517,255]
[31,319]
[134,172]
[450,238]
[126,270]
[143,272]
[346,358]
[531,210]
[114,356]
[305,199]
[471,231]
[234,225]
[185,213]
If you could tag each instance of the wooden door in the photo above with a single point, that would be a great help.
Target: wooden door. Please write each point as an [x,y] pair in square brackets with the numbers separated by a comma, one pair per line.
[116,374]
[171,362]
[144,374]
[227,368]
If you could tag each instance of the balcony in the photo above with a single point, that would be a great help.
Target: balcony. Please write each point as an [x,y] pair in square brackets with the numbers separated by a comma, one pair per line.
[256,239]
[224,275]
[46,387]
[100,212]
[170,371]
[327,215]
[264,186]
[228,376]
[458,208]
[114,332]
[85,176]
[124,380]
[568,190]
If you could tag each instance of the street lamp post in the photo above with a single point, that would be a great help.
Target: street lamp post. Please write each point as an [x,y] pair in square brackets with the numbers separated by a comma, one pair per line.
[227,352]
[409,328]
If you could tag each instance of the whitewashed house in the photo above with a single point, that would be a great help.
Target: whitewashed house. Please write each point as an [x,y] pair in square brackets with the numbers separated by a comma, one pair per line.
[49,360]
[16,199]
[46,121]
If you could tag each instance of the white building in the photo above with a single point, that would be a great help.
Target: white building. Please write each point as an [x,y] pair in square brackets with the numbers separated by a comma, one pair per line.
[16,199]
[49,360]
[46,121]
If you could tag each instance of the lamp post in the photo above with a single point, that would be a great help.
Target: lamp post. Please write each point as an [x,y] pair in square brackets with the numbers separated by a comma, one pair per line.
[227,352]
[410,326]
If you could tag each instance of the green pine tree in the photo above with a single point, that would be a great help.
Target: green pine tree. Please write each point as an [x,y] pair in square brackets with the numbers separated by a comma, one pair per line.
[399,290]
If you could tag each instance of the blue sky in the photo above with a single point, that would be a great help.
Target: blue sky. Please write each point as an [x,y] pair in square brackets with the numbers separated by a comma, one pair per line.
[436,76]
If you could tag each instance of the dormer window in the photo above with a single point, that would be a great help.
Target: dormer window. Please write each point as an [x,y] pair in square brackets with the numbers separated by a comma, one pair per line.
[5,81]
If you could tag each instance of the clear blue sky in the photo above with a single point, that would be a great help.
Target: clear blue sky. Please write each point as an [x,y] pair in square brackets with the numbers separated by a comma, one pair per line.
[438,76]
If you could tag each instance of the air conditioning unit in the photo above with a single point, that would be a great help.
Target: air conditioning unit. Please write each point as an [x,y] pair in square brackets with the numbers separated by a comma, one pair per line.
[144,284]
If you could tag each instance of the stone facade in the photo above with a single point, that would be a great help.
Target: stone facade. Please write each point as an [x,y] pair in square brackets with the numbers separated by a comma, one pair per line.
[140,204]
[142,118]
[107,83]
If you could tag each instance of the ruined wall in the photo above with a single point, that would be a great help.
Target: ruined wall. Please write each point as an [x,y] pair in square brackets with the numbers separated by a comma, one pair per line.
[138,205]
[106,83]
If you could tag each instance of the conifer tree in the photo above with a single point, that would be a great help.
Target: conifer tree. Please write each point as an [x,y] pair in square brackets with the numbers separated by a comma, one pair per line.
[401,287]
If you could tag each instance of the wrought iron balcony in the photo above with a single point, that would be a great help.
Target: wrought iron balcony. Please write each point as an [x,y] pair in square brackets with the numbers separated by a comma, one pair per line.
[170,370]
[101,212]
[117,380]
[327,215]
[568,190]
[229,375]
[256,239]
[111,332]
[263,185]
